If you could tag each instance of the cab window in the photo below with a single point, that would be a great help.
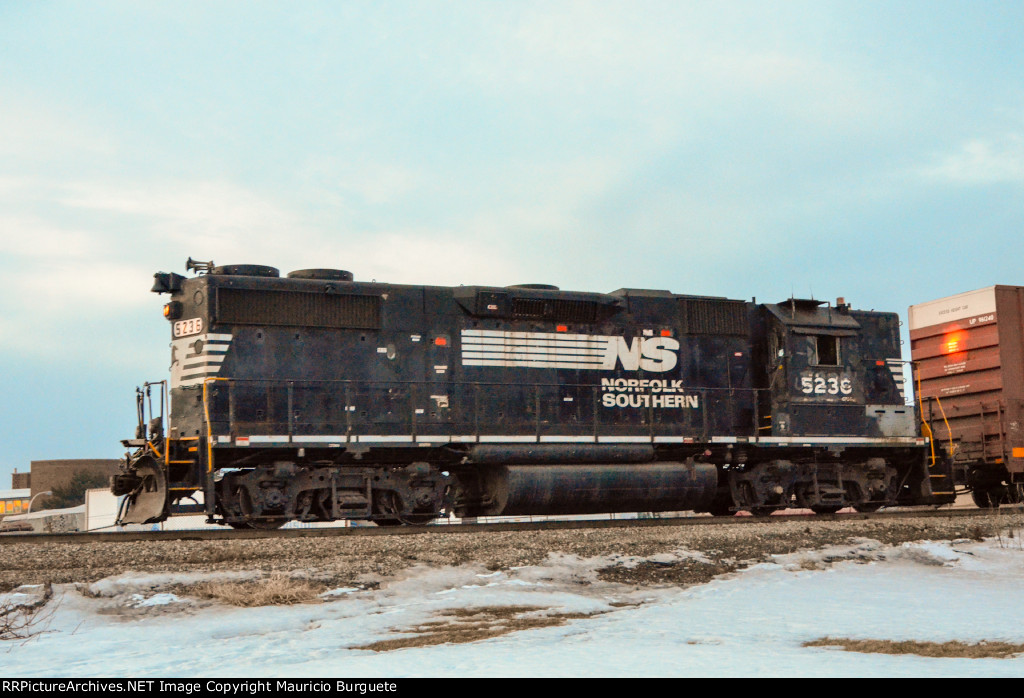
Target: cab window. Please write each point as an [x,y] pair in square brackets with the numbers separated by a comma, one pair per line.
[826,350]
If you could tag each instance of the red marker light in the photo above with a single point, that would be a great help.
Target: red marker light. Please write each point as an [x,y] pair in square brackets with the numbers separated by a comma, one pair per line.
[666,333]
[952,343]
[879,363]
[562,328]
[441,342]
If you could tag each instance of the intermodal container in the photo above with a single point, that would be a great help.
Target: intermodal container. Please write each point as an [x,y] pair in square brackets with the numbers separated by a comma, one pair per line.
[968,354]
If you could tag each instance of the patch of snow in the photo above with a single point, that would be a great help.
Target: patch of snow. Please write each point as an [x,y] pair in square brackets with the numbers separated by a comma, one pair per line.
[134,581]
[140,601]
[749,623]
[24,595]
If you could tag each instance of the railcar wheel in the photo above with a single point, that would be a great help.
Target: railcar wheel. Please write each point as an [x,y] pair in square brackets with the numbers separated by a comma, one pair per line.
[761,511]
[826,508]
[986,497]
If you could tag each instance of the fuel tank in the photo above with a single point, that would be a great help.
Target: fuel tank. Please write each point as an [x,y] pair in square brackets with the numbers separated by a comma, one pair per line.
[595,488]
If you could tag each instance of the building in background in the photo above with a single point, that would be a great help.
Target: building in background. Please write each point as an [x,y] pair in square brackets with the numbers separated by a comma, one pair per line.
[57,475]
[14,501]
[21,481]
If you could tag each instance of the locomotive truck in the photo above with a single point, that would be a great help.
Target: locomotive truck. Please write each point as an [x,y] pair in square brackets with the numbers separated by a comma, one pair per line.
[316,397]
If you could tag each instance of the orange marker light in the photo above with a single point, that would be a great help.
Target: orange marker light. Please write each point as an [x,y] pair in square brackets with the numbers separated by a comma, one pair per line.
[167,310]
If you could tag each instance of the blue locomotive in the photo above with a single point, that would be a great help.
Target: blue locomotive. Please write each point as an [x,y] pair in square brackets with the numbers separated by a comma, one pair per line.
[316,397]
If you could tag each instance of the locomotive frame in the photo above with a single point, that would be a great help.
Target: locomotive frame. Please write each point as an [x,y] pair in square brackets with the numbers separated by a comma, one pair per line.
[316,397]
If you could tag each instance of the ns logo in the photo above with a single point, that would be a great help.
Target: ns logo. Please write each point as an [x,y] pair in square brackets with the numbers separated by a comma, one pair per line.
[655,354]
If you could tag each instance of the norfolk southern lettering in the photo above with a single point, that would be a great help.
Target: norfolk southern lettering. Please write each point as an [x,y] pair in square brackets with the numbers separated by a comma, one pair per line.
[646,393]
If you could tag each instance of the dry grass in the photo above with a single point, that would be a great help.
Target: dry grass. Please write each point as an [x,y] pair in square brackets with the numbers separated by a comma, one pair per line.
[978,532]
[275,590]
[1009,530]
[462,625]
[22,621]
[955,649]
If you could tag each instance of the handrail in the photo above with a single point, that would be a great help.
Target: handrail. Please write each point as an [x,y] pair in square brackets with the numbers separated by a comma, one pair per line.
[312,381]
[949,430]
[209,425]
[925,425]
[743,398]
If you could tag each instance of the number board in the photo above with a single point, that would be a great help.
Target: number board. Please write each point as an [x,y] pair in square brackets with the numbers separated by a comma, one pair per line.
[826,383]
[183,328]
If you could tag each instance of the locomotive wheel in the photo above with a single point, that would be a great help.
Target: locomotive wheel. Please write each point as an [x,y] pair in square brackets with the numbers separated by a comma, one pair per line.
[418,519]
[826,508]
[258,524]
[721,505]
[867,508]
[267,524]
[390,505]
[407,520]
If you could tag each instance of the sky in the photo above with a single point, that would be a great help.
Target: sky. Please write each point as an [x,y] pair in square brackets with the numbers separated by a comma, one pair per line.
[869,150]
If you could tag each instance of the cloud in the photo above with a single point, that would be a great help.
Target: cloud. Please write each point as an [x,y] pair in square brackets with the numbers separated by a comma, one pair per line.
[43,133]
[981,161]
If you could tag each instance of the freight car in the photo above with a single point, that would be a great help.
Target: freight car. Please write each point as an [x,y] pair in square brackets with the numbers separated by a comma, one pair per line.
[316,397]
[968,353]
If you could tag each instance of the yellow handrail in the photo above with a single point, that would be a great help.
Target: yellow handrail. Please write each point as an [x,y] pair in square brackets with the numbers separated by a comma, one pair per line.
[209,427]
[949,432]
[926,427]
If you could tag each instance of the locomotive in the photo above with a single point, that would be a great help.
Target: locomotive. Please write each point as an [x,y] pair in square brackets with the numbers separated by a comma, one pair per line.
[316,397]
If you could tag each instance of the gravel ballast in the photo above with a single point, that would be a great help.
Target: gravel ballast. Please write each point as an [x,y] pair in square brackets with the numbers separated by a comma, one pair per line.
[354,559]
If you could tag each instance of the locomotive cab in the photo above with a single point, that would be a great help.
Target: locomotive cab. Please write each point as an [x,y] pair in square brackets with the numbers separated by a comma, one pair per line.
[835,428]
[833,371]
[815,357]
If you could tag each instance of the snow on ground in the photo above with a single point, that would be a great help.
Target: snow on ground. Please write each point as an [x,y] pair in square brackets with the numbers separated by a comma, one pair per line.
[751,623]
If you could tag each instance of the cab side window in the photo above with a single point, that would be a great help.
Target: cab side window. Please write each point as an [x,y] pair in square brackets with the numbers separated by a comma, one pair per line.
[826,350]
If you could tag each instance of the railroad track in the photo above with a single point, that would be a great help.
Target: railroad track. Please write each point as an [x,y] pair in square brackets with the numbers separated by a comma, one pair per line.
[470,528]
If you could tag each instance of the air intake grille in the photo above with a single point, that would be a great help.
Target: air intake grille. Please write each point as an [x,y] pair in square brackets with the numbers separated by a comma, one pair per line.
[556,310]
[297,309]
[714,317]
